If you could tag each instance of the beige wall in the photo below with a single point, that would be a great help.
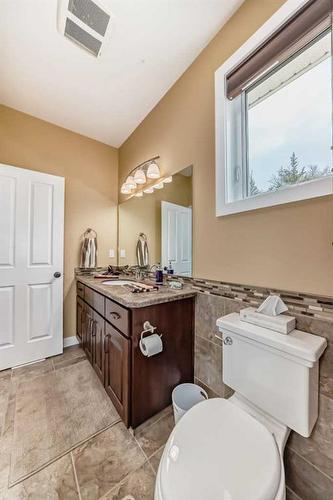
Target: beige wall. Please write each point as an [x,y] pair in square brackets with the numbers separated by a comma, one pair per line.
[90,169]
[286,247]
[143,215]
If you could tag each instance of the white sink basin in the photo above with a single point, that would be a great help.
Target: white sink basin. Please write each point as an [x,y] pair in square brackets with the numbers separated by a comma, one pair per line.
[120,282]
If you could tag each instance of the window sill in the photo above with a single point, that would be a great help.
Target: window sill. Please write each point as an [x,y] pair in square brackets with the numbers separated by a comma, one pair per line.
[307,190]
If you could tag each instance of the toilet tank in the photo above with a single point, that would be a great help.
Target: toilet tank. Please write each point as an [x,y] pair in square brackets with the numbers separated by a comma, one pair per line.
[277,373]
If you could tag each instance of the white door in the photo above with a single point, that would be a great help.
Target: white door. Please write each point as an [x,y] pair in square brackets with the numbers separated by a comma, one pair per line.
[31,255]
[177,237]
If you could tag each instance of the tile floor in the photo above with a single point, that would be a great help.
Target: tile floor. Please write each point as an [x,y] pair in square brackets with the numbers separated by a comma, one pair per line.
[115,464]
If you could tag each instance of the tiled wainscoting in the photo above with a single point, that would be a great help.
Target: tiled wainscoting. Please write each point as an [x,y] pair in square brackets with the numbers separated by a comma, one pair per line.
[308,462]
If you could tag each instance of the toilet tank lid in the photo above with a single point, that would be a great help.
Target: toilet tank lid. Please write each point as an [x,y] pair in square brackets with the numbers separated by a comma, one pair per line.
[306,347]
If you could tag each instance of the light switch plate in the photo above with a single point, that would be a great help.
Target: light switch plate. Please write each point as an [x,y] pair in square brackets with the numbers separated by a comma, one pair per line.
[111,253]
[122,253]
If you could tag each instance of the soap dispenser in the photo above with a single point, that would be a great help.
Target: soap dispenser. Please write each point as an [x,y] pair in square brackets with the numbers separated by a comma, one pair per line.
[159,274]
[170,268]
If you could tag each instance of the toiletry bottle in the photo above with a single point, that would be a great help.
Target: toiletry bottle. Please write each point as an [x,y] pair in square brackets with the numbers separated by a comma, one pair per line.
[159,274]
[170,269]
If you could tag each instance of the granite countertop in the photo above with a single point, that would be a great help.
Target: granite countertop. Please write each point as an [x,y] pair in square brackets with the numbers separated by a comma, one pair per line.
[131,300]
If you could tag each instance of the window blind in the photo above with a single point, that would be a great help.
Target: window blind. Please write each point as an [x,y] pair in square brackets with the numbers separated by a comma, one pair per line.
[311,20]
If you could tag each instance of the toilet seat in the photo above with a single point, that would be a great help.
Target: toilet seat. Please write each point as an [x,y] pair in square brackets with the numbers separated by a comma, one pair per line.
[218,451]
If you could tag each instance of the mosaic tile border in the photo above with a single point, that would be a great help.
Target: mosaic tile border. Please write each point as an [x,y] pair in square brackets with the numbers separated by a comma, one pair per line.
[310,305]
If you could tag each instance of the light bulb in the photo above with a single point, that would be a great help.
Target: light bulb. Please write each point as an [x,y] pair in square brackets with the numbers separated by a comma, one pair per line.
[130,183]
[140,177]
[167,180]
[149,190]
[124,189]
[159,185]
[153,171]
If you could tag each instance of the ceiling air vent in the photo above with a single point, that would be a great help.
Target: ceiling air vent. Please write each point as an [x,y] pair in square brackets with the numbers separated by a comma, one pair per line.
[84,22]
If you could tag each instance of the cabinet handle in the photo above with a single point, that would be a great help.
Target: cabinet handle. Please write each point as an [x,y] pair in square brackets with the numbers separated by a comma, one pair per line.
[106,343]
[94,327]
[114,315]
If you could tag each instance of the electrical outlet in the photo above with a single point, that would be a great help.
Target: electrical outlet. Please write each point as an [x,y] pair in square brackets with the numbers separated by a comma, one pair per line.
[111,253]
[122,253]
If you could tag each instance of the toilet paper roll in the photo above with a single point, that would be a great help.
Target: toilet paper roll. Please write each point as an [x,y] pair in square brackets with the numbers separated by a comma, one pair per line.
[149,346]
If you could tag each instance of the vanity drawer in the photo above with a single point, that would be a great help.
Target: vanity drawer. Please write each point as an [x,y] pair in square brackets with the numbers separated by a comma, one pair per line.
[95,300]
[80,289]
[117,316]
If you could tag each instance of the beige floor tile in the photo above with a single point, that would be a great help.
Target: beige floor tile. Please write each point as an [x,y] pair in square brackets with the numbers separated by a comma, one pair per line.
[55,482]
[29,372]
[153,437]
[153,419]
[6,442]
[71,355]
[54,413]
[156,458]
[139,485]
[5,374]
[5,387]
[105,460]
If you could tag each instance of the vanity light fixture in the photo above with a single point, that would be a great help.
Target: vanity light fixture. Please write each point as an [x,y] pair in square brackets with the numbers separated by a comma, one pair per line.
[130,182]
[148,190]
[140,176]
[167,180]
[153,171]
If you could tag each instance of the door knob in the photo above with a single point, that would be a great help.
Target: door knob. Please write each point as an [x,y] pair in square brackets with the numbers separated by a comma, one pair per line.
[57,274]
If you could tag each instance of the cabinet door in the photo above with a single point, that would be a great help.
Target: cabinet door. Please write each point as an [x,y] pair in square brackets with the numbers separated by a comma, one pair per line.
[79,318]
[153,379]
[88,333]
[98,333]
[117,349]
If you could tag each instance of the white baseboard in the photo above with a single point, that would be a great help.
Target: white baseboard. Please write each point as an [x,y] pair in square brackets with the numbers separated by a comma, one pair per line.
[68,341]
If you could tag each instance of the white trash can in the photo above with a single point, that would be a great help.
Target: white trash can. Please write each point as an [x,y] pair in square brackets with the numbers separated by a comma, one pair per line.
[184,396]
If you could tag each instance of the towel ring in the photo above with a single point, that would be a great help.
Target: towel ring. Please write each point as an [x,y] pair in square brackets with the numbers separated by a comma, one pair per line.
[88,231]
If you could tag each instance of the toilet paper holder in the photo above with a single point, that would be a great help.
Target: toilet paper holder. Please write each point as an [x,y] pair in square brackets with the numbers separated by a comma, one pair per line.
[148,328]
[152,343]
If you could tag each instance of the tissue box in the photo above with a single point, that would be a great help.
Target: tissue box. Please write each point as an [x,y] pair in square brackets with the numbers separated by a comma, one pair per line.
[281,323]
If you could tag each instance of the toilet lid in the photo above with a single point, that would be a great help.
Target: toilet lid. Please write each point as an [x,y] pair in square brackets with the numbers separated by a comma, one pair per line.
[219,452]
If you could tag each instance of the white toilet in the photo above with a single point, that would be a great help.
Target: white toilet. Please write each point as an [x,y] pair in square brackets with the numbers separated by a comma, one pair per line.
[233,449]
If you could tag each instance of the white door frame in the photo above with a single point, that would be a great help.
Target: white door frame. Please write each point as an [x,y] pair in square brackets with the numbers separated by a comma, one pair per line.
[31,252]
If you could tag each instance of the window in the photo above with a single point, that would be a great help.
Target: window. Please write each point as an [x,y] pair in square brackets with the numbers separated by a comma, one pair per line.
[274,115]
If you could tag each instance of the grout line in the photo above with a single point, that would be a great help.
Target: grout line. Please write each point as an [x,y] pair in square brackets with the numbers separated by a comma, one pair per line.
[143,452]
[204,383]
[75,475]
[210,341]
[128,475]
[309,463]
[72,448]
[294,494]
[152,468]
[160,448]
[148,426]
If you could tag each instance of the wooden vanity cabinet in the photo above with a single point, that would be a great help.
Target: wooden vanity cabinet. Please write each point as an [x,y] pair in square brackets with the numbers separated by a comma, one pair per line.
[98,338]
[139,387]
[80,319]
[117,350]
[153,379]
[87,342]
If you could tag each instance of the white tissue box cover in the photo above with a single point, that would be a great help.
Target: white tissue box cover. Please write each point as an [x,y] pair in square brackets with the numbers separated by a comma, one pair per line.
[282,323]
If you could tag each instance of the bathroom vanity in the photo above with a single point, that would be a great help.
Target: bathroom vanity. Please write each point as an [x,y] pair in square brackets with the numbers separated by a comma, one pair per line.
[109,326]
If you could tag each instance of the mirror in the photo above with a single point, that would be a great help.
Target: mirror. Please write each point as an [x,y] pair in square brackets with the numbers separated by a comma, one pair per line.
[157,228]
